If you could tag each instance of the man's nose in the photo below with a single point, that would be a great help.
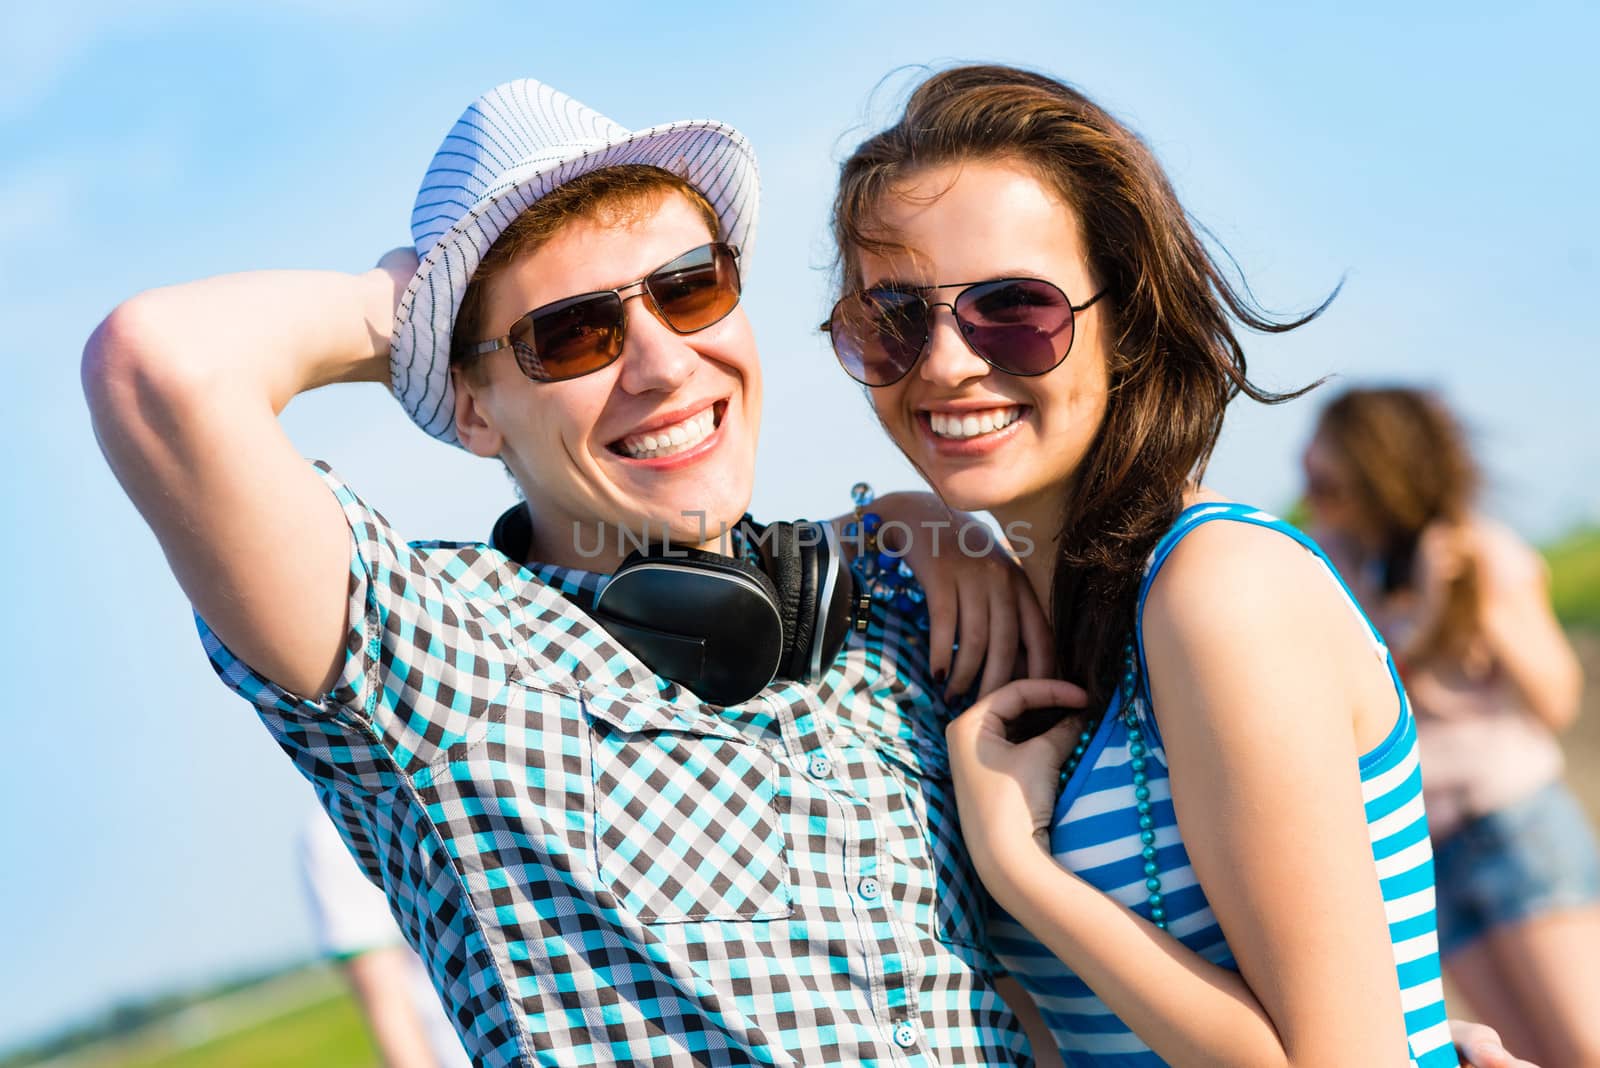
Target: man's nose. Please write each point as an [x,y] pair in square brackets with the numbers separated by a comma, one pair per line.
[655,358]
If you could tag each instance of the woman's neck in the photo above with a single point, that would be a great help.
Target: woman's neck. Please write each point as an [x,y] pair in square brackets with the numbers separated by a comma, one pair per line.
[1038,519]
[1032,528]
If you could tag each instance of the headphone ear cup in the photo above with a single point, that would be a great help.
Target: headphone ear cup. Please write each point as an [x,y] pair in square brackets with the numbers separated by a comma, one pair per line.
[781,556]
[809,553]
[707,622]
[836,616]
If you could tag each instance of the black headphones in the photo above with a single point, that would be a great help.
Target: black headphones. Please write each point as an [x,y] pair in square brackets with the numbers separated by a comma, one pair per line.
[718,626]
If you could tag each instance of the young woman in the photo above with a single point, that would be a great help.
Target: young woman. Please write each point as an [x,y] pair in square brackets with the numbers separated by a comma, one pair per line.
[1233,866]
[1465,604]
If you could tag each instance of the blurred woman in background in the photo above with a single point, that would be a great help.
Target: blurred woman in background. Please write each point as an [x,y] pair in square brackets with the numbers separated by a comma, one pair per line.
[1391,488]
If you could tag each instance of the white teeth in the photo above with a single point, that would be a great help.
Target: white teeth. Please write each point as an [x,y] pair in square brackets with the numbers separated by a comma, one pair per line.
[971,424]
[671,440]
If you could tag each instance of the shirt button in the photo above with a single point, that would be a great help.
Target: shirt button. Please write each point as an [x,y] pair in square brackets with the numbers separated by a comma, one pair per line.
[869,888]
[821,767]
[905,1036]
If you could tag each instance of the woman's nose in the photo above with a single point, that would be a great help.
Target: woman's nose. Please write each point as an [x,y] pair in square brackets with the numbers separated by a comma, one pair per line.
[949,360]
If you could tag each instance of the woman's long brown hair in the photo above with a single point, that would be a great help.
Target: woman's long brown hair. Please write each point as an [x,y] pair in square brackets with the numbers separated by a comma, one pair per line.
[1406,464]
[1174,360]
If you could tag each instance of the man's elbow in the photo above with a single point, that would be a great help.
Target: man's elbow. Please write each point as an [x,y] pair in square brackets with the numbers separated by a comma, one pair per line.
[1555,698]
[134,377]
[1565,697]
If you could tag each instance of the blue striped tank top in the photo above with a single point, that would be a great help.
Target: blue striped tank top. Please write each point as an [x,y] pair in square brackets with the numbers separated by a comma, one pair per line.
[1096,835]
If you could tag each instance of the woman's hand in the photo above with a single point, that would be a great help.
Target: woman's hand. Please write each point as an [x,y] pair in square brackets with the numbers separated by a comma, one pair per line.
[1445,554]
[1480,1047]
[1006,791]
[981,611]
[1444,562]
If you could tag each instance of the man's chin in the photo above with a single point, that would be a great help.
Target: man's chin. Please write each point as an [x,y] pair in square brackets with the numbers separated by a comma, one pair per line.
[692,524]
[707,530]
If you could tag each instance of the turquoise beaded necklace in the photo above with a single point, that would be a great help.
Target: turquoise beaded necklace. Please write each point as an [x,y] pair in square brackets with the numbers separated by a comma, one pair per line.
[1137,751]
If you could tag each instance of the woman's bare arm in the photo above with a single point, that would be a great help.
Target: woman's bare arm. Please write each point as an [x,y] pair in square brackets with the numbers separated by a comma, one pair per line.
[1262,676]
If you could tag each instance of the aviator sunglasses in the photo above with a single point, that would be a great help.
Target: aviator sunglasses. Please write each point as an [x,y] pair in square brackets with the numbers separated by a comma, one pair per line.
[579,335]
[1022,326]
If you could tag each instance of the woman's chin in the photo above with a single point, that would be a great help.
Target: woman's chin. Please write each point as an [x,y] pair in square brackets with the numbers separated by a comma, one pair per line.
[971,491]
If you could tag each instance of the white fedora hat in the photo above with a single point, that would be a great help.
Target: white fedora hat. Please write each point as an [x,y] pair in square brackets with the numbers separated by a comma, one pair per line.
[513,145]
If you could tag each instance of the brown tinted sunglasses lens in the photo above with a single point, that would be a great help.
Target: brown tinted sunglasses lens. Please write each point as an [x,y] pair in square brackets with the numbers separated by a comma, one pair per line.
[569,338]
[581,334]
[698,289]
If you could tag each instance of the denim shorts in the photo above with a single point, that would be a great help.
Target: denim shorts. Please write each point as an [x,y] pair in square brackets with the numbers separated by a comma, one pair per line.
[1533,856]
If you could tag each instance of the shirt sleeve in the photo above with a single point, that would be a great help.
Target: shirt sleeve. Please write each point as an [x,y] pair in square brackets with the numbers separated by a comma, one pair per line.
[426,650]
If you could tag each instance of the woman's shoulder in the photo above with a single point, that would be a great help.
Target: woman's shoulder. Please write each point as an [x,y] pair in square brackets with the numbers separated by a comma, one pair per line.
[1247,614]
[1217,540]
[1504,559]
[1232,564]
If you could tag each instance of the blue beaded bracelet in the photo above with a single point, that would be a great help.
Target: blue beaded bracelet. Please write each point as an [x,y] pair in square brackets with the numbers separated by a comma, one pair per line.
[880,575]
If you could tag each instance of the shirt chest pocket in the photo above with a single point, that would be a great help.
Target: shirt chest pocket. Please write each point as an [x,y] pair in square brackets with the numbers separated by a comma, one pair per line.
[686,816]
[942,890]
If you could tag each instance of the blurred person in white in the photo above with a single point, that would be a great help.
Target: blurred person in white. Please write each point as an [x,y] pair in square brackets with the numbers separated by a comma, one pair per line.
[1390,485]
[354,928]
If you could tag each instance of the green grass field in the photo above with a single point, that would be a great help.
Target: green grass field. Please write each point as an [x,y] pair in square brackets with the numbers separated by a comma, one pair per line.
[327,1034]
[305,1017]
[1575,578]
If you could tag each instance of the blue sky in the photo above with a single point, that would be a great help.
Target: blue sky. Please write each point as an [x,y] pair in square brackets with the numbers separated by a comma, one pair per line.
[1440,157]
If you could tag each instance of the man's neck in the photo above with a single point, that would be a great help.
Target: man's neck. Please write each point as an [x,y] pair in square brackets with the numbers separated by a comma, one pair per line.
[595,545]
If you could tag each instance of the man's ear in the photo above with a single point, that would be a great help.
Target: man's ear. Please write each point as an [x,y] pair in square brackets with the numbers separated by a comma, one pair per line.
[474,425]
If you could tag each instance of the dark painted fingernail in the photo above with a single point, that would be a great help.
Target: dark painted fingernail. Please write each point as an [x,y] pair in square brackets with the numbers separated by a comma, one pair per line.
[939,675]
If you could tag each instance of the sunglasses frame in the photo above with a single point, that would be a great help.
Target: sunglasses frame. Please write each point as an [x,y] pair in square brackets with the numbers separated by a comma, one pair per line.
[927,334]
[638,287]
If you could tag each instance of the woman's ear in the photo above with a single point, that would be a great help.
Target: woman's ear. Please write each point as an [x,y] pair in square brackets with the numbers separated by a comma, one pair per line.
[474,423]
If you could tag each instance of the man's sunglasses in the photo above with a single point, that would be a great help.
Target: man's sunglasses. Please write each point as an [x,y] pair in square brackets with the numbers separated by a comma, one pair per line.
[579,335]
[1022,326]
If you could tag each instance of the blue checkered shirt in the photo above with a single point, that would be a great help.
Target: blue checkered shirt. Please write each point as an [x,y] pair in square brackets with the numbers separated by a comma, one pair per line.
[599,869]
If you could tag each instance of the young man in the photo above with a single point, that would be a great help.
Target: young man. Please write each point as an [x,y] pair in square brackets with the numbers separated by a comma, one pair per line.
[595,865]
